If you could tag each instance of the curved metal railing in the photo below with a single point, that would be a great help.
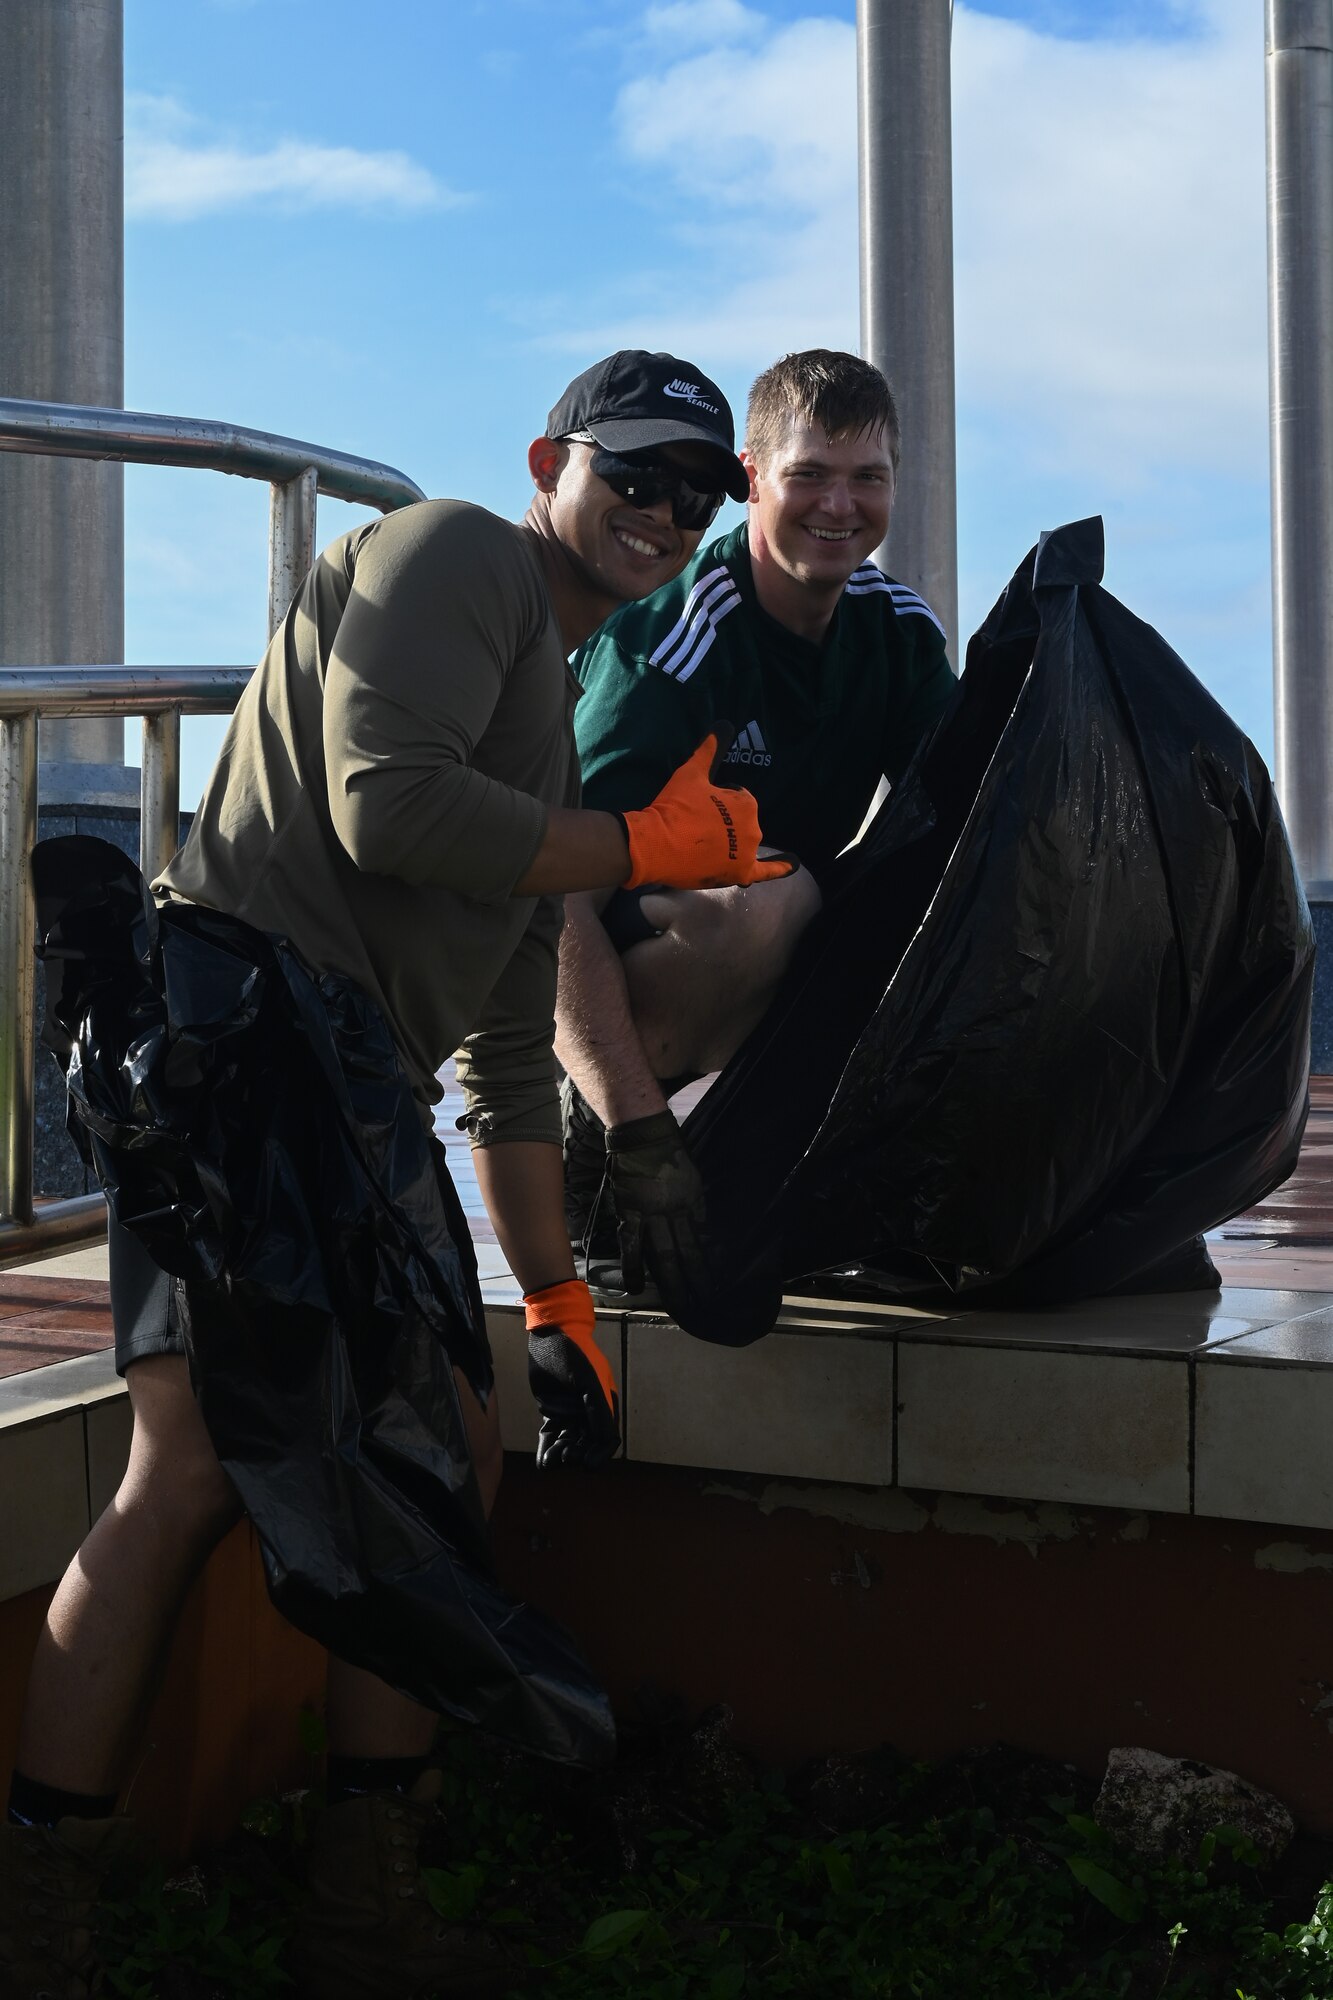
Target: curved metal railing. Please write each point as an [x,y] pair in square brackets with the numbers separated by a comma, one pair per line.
[296,472]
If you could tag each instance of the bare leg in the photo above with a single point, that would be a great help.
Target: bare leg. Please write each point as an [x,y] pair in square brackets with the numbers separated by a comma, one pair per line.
[697,990]
[101,1650]
[100,1653]
[366,1717]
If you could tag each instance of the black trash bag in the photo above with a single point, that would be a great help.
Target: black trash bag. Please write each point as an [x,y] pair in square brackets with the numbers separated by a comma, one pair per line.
[251,1125]
[1053,1021]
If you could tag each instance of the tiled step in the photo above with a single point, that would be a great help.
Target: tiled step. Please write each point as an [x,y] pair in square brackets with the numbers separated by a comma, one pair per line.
[46,1319]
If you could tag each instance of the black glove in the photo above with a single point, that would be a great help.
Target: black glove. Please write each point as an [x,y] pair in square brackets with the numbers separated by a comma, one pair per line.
[659,1204]
[570,1378]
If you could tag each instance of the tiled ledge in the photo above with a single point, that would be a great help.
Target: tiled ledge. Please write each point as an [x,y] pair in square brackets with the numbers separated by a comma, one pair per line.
[64,1440]
[1207,1404]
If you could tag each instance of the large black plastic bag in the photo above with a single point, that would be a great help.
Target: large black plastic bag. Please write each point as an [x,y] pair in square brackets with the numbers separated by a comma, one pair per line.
[1054,1019]
[252,1126]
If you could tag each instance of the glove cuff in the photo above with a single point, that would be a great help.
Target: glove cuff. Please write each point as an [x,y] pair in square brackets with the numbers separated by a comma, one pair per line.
[643,837]
[568,1307]
[637,1132]
[567,1310]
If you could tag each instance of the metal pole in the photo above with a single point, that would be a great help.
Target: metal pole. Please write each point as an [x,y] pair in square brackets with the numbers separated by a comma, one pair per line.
[160,811]
[59,1225]
[121,691]
[18,834]
[62,339]
[291,540]
[903,117]
[1299,71]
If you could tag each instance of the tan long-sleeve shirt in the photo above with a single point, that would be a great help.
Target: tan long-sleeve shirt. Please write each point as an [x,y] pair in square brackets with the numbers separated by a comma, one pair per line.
[384,784]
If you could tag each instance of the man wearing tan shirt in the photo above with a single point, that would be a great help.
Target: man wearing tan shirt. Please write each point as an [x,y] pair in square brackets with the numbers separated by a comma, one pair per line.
[397,795]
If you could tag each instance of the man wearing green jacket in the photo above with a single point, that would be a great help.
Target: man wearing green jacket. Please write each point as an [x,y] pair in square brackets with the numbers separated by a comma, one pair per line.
[832,673]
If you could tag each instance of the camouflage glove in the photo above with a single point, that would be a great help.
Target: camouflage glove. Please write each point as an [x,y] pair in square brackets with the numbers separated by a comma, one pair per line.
[659,1204]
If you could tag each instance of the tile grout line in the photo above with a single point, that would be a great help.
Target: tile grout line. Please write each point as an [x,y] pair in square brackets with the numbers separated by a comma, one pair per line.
[624,1386]
[87,1468]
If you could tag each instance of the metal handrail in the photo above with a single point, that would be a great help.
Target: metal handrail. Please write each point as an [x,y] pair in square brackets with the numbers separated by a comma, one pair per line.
[138,437]
[296,473]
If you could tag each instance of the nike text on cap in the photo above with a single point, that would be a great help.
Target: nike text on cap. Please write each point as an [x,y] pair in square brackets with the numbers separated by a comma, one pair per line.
[634,400]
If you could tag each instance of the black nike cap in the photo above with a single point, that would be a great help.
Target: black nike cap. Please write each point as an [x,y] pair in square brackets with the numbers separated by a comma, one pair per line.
[634,400]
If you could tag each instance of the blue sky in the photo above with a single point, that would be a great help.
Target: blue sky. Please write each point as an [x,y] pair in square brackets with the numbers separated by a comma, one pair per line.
[399,230]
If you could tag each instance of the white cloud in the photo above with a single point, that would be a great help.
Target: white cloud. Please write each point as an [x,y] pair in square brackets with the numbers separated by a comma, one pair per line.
[682,24]
[174,172]
[1109,224]
[1109,236]
[762,129]
[761,145]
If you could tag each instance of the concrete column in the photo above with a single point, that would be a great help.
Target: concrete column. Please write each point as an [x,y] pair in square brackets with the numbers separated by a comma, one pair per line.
[903,99]
[1299,75]
[62,340]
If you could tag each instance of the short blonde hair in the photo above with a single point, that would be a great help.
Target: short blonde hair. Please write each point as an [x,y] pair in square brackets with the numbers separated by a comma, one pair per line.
[841,394]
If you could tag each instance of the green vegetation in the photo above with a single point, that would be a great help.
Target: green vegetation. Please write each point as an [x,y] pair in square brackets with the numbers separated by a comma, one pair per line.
[686,1874]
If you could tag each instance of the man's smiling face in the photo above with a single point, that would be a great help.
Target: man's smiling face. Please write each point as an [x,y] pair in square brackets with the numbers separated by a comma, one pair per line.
[820,506]
[624,551]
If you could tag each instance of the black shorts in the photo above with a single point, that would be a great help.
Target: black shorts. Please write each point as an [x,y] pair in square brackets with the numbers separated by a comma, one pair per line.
[145,1301]
[148,1307]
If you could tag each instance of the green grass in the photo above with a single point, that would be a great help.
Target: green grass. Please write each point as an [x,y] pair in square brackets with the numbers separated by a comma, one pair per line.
[688,1874]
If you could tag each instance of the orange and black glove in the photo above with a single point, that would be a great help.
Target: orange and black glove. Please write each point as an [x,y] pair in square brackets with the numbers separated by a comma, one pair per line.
[702,830]
[570,1378]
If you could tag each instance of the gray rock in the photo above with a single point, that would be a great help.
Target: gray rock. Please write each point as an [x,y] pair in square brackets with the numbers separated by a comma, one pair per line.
[1162,1806]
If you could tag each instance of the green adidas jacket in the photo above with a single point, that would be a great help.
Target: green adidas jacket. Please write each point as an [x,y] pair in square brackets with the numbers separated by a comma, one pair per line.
[818,725]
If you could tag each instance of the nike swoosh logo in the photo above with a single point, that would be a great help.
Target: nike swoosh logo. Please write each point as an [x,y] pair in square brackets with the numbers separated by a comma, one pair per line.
[684,396]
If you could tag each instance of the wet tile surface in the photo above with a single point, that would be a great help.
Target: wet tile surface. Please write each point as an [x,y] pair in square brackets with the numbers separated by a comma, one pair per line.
[25,1347]
[1298,1216]
[1307,1340]
[1272,1263]
[1085,1327]
[46,1318]
[25,1292]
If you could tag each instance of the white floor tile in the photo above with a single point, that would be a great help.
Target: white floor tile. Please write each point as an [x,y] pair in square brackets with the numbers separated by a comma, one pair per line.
[1261,1442]
[1104,1430]
[43,1500]
[808,1406]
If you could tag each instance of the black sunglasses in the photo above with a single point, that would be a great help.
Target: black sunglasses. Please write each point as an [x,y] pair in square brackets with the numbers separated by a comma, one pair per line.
[643,481]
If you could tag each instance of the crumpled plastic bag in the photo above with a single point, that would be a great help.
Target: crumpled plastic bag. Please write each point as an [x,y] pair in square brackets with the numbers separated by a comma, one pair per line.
[252,1126]
[1053,1021]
